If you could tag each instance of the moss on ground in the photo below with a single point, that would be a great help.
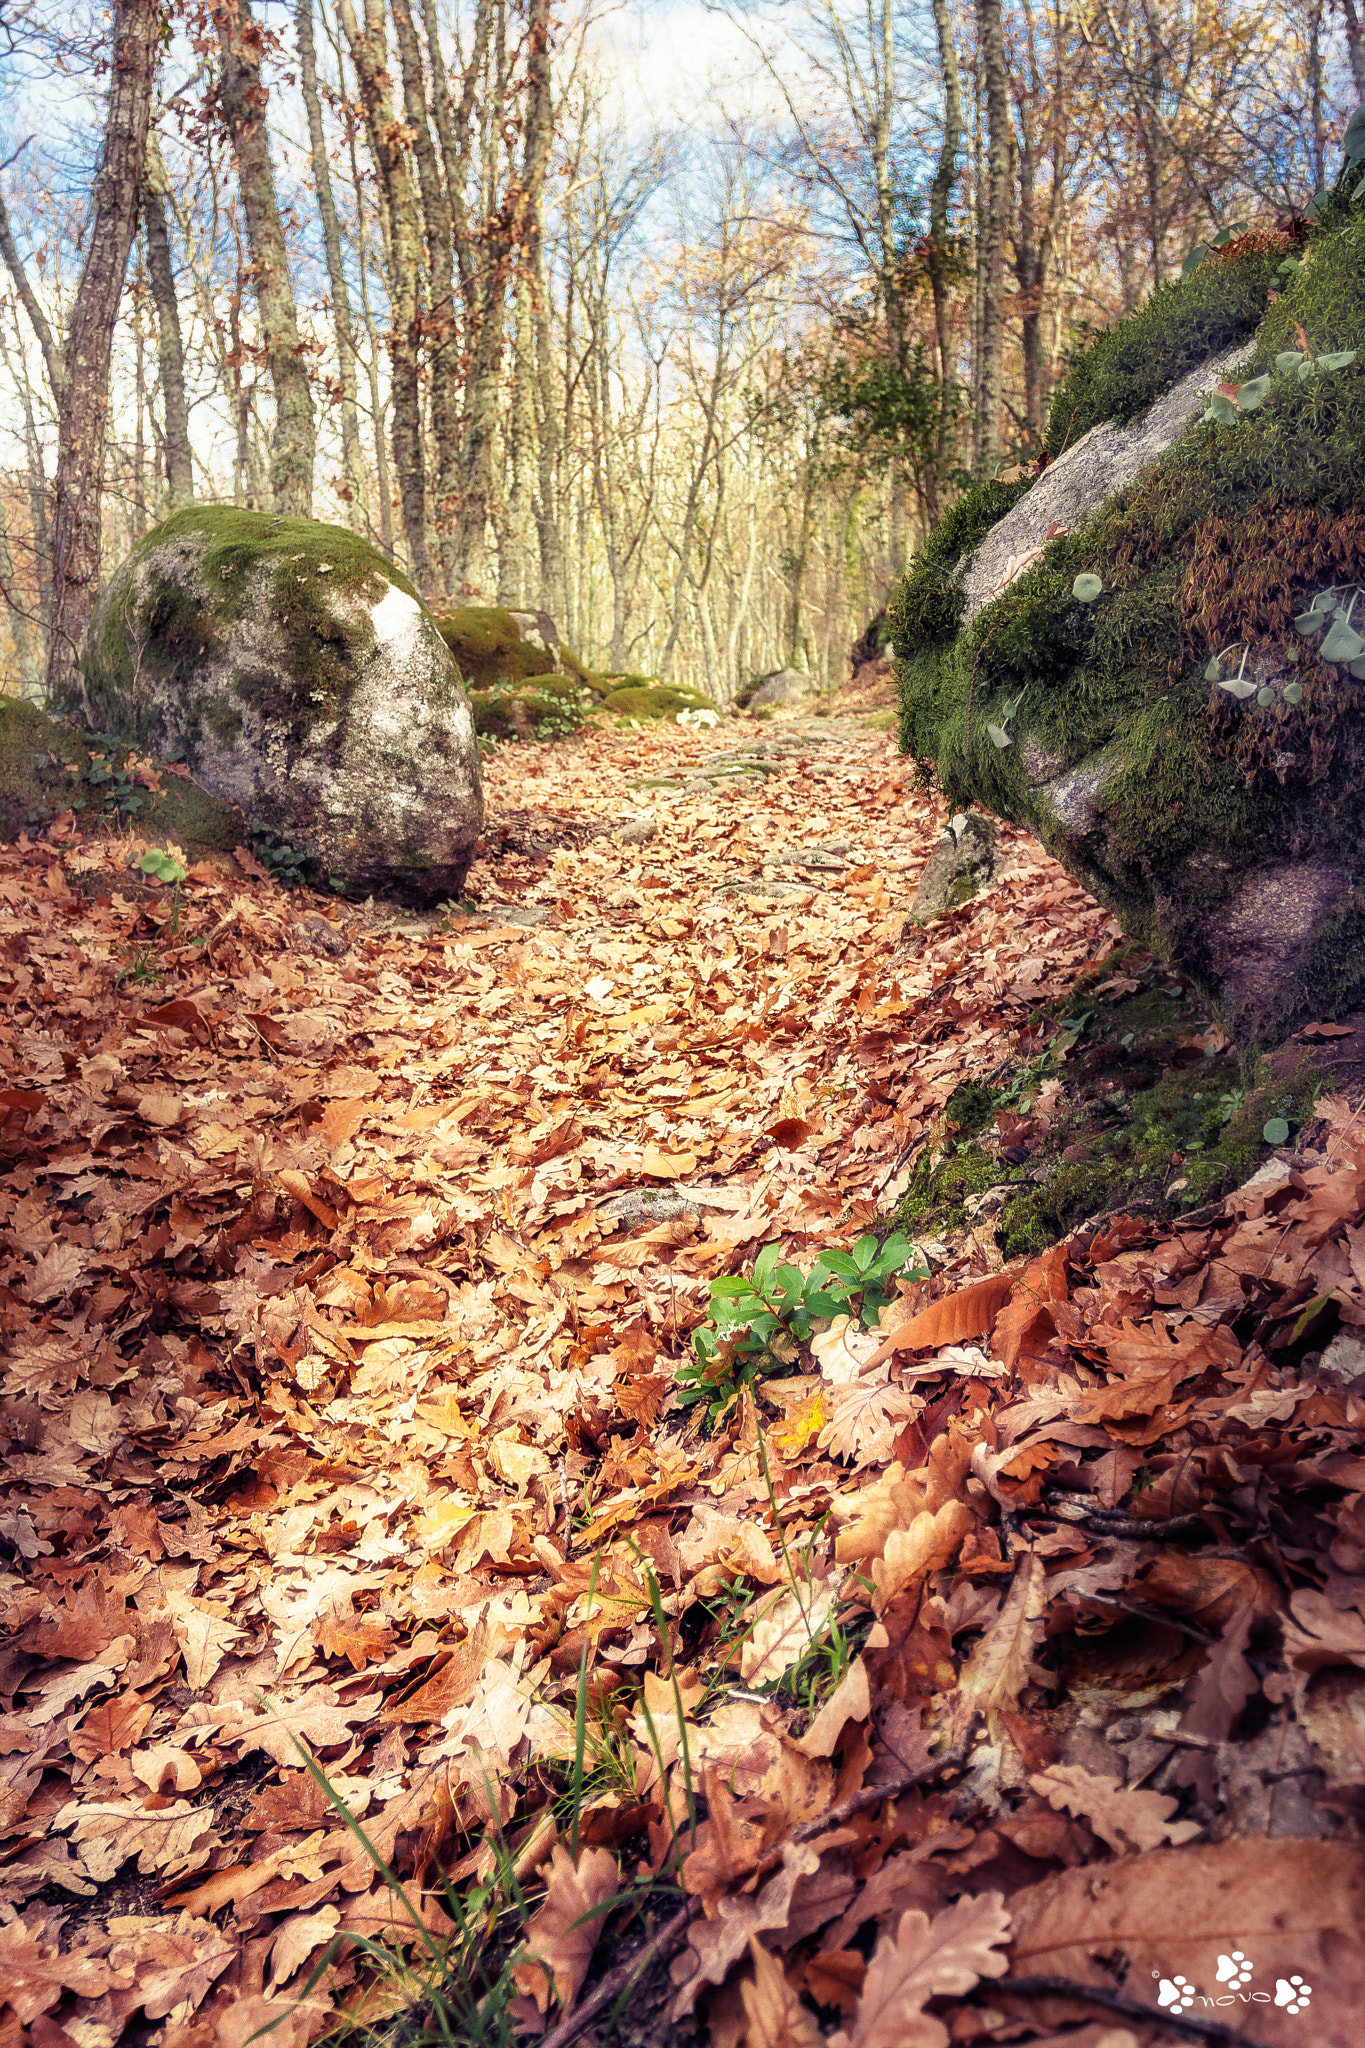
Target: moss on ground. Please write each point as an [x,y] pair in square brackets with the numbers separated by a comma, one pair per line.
[553,710]
[1217,547]
[157,627]
[46,768]
[1145,1116]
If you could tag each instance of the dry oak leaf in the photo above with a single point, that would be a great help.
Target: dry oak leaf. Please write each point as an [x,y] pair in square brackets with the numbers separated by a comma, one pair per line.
[713,1945]
[783,1628]
[176,1840]
[300,1938]
[1127,1818]
[776,2016]
[1293,1906]
[177,1965]
[34,1976]
[1001,1664]
[850,1701]
[1319,1634]
[928,1545]
[563,1931]
[943,1957]
[864,1421]
[316,1720]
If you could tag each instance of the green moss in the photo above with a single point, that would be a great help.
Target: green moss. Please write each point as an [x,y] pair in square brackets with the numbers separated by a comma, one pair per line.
[654,700]
[540,714]
[1146,1117]
[928,605]
[43,769]
[1120,372]
[488,647]
[159,628]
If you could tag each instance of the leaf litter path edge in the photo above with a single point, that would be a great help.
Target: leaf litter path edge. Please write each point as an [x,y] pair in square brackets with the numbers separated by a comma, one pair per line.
[339,1422]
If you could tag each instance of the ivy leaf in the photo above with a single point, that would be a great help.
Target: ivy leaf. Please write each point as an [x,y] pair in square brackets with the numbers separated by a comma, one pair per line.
[1293,693]
[1288,359]
[1086,588]
[1211,672]
[1343,643]
[1341,360]
[1276,1131]
[1194,259]
[1222,410]
[1265,695]
[1238,686]
[998,734]
[1253,394]
[1313,620]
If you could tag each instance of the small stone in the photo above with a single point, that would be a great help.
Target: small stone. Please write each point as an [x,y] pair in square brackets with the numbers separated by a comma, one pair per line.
[1344,1358]
[638,829]
[960,865]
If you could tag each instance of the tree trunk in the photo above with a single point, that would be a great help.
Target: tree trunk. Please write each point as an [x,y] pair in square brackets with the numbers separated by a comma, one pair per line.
[353,468]
[517,571]
[243,97]
[389,149]
[1355,46]
[170,346]
[83,402]
[995,78]
[441,326]
[940,199]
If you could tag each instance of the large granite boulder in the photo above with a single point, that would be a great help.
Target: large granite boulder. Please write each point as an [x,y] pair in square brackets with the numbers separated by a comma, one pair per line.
[298,675]
[1148,652]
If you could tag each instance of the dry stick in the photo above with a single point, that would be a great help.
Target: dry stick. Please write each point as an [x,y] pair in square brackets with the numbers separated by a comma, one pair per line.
[666,1943]
[1114,2001]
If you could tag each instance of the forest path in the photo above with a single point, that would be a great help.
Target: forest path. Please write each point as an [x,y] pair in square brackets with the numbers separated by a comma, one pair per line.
[321,1300]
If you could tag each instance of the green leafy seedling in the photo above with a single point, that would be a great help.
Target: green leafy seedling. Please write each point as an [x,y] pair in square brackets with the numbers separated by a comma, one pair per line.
[1086,588]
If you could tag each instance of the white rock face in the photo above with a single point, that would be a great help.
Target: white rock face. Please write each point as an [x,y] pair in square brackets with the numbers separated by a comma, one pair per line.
[1082,478]
[305,686]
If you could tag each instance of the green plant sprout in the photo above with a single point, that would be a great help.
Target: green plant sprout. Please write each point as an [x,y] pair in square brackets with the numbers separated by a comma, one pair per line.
[1292,365]
[757,1326]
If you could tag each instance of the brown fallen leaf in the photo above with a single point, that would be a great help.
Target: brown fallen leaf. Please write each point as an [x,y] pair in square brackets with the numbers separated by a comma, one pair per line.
[1127,1818]
[776,2016]
[943,1957]
[971,1312]
[563,1931]
[1001,1664]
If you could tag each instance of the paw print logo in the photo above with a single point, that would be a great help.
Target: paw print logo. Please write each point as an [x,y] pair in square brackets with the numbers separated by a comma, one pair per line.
[1292,1993]
[1177,1992]
[1234,1970]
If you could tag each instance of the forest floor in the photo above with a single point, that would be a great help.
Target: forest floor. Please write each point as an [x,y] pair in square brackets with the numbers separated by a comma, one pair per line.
[997,1673]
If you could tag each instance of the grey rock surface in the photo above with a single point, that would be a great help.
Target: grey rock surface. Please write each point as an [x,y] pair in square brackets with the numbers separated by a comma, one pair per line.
[960,866]
[290,667]
[1081,479]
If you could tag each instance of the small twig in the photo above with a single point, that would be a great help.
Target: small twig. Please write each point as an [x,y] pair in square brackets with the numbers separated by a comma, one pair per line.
[662,1948]
[1113,1522]
[1114,2001]
[1183,1628]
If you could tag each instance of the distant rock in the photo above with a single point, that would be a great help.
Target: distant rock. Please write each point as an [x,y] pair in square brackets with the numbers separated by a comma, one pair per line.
[299,676]
[784,686]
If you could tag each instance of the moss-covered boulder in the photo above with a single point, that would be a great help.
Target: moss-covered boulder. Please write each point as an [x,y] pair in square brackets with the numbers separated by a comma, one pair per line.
[500,649]
[299,676]
[642,697]
[1190,741]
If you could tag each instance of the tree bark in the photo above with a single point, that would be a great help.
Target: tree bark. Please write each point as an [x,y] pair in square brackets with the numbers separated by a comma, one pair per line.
[170,344]
[940,199]
[243,98]
[441,325]
[994,226]
[353,468]
[1355,46]
[518,555]
[388,147]
[83,399]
